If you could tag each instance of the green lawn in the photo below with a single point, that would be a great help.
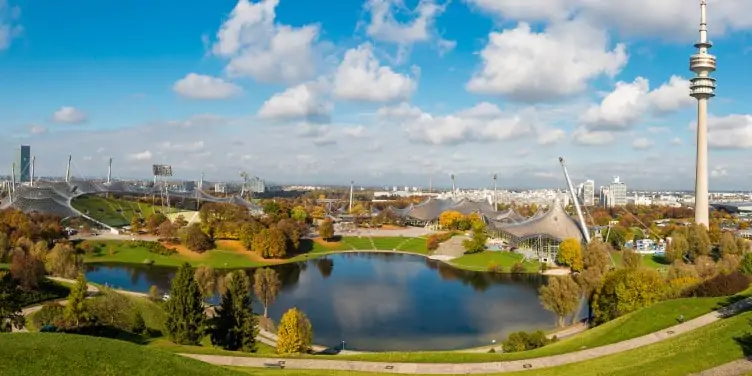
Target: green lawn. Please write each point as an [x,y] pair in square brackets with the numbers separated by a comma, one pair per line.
[4,266]
[358,243]
[651,261]
[480,261]
[114,212]
[206,348]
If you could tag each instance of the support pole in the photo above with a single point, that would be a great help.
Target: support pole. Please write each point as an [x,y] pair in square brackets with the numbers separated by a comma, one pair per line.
[33,163]
[12,190]
[583,225]
[109,172]
[67,170]
[351,196]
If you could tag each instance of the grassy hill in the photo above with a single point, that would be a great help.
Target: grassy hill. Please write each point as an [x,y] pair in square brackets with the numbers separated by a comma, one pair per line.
[114,212]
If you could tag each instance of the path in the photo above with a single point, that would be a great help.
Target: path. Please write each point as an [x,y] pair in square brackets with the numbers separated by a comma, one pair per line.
[91,291]
[480,368]
[450,249]
[736,368]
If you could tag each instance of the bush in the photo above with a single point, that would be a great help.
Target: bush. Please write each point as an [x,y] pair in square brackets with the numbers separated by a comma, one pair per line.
[518,268]
[432,243]
[494,267]
[523,341]
[434,240]
[720,285]
[746,265]
[50,314]
[47,290]
[153,247]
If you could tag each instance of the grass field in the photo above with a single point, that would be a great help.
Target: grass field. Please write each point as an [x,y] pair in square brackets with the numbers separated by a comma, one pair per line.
[114,212]
[5,266]
[480,261]
[651,261]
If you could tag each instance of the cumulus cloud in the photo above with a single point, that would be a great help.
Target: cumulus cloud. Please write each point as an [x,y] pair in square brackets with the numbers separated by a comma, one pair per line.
[587,137]
[301,101]
[257,47]
[642,143]
[355,131]
[197,86]
[9,27]
[384,26]
[529,10]
[482,123]
[69,115]
[628,103]
[518,63]
[361,77]
[718,171]
[37,129]
[182,146]
[676,141]
[140,156]
[729,132]
[199,121]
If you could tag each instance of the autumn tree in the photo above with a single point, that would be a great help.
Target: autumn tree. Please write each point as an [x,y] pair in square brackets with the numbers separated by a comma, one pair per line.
[626,290]
[195,239]
[40,251]
[180,221]
[167,230]
[560,296]
[570,254]
[698,240]
[236,326]
[270,243]
[206,279]
[75,311]
[154,221]
[298,213]
[742,245]
[728,244]
[326,229]
[64,261]
[746,264]
[450,219]
[631,259]
[705,266]
[185,309]
[25,268]
[295,333]
[677,248]
[11,302]
[248,231]
[266,285]
[136,224]
[729,263]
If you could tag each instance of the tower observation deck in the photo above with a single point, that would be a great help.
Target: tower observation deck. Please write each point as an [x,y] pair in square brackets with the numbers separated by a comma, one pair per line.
[702,63]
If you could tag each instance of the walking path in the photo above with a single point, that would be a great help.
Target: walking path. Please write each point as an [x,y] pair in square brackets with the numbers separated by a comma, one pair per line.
[480,368]
[736,368]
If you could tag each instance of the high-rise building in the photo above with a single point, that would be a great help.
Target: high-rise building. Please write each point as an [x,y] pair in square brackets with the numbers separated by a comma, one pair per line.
[702,88]
[617,193]
[24,166]
[588,193]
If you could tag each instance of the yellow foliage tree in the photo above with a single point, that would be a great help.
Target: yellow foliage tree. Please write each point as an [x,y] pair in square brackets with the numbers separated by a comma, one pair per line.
[295,333]
[450,219]
[570,254]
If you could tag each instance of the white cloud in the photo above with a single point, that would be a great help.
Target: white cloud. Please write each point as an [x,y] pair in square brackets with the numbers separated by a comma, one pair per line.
[140,156]
[470,125]
[69,115]
[182,146]
[9,28]
[545,175]
[307,130]
[718,171]
[257,47]
[642,143]
[628,103]
[361,77]
[530,10]
[355,131]
[586,137]
[301,101]
[548,135]
[729,132]
[37,129]
[676,141]
[658,129]
[421,28]
[530,66]
[199,121]
[197,86]
[401,111]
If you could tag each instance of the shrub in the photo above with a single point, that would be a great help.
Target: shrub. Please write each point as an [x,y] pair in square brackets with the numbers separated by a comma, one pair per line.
[434,240]
[153,247]
[154,293]
[627,290]
[523,341]
[494,267]
[518,268]
[746,265]
[432,243]
[50,314]
[720,285]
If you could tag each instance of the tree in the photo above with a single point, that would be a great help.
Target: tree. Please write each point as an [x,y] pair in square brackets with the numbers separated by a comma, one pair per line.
[560,296]
[154,293]
[248,231]
[40,251]
[728,244]
[570,254]
[236,326]
[743,245]
[627,290]
[677,248]
[326,229]
[64,261]
[26,269]
[11,314]
[167,230]
[477,243]
[135,224]
[272,208]
[596,256]
[705,266]
[729,263]
[195,239]
[185,310]
[631,259]
[299,214]
[266,285]
[270,243]
[295,333]
[75,311]
[698,240]
[154,221]
[180,221]
[746,264]
[206,279]
[714,233]
[450,220]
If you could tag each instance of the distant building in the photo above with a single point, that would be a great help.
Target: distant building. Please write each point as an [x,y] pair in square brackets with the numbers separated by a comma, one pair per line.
[256,185]
[588,193]
[189,186]
[24,172]
[617,193]
[220,187]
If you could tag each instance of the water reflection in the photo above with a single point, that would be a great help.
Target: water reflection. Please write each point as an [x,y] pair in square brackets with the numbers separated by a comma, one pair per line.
[385,301]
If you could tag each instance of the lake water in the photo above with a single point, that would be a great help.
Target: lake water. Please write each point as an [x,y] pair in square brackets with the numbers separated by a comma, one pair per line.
[379,302]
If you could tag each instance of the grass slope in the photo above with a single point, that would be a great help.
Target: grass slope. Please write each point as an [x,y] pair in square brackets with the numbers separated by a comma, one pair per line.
[114,212]
[651,261]
[53,354]
[480,261]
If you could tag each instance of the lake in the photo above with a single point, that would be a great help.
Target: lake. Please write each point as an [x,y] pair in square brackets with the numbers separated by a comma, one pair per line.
[384,302]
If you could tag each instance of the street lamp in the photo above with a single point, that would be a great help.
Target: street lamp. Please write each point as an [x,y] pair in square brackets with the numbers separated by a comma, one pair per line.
[343,345]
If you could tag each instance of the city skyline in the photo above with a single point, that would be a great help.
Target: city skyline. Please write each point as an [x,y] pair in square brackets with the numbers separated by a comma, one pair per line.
[380,93]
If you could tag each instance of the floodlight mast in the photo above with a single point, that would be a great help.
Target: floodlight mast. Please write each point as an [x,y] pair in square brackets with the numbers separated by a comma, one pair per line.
[349,210]
[109,172]
[67,170]
[495,177]
[12,182]
[33,162]
[583,225]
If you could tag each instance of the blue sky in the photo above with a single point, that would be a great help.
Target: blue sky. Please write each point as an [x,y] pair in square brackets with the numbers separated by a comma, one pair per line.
[387,92]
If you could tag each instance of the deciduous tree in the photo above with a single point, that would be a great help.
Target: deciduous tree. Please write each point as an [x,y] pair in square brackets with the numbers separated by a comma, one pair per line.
[728,244]
[326,229]
[627,290]
[167,230]
[299,213]
[136,224]
[195,239]
[631,259]
[75,311]
[248,231]
[295,333]
[266,285]
[450,219]
[26,269]
[677,248]
[10,304]
[206,279]
[560,296]
[570,254]
[236,326]
[698,240]
[64,261]
[185,310]
[477,243]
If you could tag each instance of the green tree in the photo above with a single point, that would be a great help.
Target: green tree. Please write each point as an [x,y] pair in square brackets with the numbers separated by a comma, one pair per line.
[677,248]
[698,240]
[570,254]
[560,296]
[295,333]
[626,290]
[248,231]
[236,326]
[136,224]
[195,239]
[299,214]
[272,208]
[266,285]
[154,293]
[10,304]
[326,229]
[746,264]
[75,311]
[728,244]
[477,243]
[64,261]
[185,310]
[631,259]
[596,256]
[206,279]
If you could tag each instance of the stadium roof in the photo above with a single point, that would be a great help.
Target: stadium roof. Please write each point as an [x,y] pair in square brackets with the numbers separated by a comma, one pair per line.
[555,223]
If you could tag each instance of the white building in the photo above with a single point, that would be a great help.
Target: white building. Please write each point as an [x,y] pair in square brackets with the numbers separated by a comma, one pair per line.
[587,195]
[615,194]
[220,187]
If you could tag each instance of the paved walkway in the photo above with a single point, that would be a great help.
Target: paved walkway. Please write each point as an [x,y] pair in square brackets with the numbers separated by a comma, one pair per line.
[480,368]
[736,368]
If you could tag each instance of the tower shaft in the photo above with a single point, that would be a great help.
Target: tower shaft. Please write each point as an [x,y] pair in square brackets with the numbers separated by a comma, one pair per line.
[701,174]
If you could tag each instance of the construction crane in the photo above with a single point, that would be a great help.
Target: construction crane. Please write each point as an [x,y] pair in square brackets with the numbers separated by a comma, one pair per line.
[585,230]
[243,190]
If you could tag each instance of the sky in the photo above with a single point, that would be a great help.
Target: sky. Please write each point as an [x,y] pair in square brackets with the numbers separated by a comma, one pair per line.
[382,92]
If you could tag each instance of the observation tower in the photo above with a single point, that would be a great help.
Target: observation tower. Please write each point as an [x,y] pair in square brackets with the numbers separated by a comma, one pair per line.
[702,88]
